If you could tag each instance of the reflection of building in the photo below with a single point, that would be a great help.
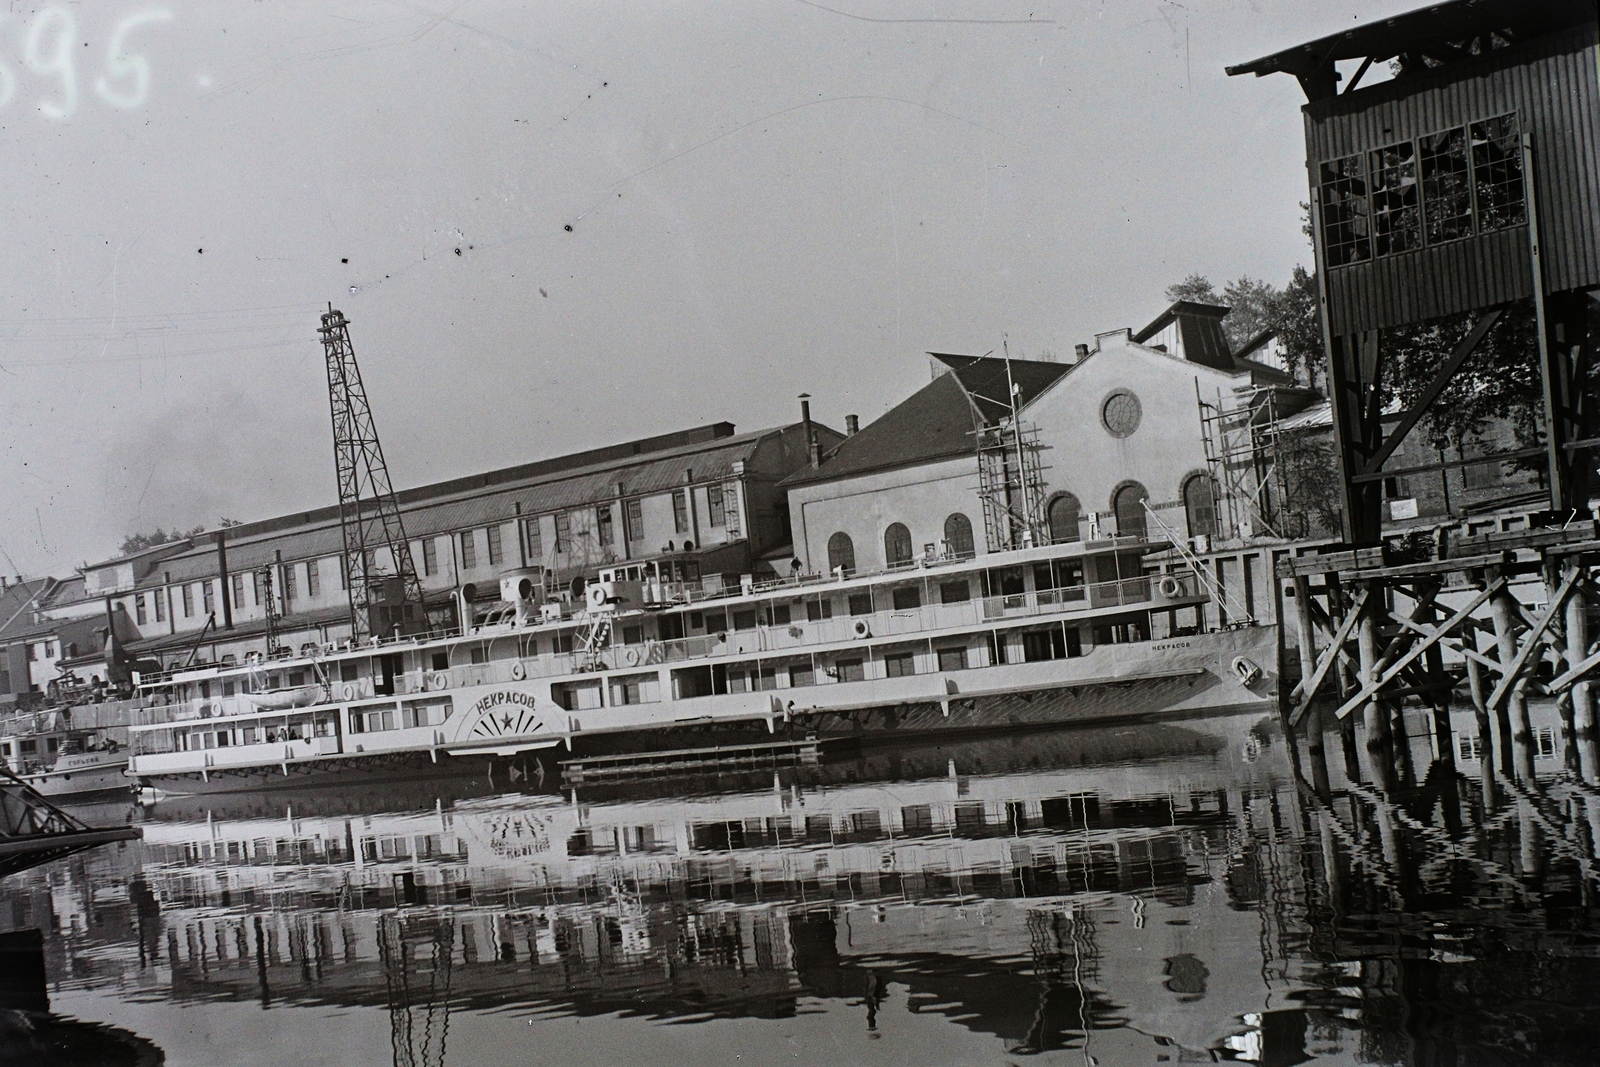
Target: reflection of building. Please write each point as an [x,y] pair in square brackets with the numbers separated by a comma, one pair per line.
[1193,900]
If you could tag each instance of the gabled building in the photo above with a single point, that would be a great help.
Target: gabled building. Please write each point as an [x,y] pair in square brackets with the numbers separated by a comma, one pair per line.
[995,451]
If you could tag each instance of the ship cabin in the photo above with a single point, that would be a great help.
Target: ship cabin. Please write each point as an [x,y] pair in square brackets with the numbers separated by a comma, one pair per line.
[637,634]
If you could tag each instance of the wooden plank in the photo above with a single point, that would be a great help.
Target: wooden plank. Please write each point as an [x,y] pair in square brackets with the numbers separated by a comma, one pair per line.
[1325,562]
[1428,642]
[1575,549]
[1510,540]
[1584,666]
[1533,641]
[1432,567]
[1309,689]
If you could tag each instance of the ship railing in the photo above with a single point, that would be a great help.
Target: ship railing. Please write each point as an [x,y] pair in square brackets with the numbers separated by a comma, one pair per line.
[111,713]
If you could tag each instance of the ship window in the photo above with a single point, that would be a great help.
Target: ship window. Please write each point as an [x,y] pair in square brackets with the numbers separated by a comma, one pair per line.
[851,670]
[896,544]
[1200,505]
[480,654]
[348,671]
[636,689]
[841,554]
[780,615]
[819,608]
[1128,503]
[680,511]
[1396,222]
[900,664]
[441,661]
[1063,517]
[716,622]
[907,597]
[861,603]
[744,620]
[1044,644]
[802,674]
[430,562]
[954,592]
[958,536]
[952,659]
[297,678]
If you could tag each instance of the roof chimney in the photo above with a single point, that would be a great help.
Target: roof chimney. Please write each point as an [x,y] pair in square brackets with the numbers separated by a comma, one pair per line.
[810,434]
[1080,353]
[852,425]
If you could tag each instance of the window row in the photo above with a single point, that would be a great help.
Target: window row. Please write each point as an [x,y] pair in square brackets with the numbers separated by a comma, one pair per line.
[1439,187]
[1065,515]
[898,546]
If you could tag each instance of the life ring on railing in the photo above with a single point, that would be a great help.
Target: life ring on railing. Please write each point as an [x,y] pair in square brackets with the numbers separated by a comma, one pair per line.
[630,656]
[1169,587]
[1246,671]
[348,692]
[859,628]
[440,680]
[518,671]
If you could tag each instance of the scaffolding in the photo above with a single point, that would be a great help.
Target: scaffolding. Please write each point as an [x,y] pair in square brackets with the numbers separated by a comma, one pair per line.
[1010,475]
[1242,440]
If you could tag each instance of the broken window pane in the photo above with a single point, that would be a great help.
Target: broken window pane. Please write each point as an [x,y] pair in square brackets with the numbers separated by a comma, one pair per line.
[1497,173]
[1396,222]
[1446,186]
[1345,223]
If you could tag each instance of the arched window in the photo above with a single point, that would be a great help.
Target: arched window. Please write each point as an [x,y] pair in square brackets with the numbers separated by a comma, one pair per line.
[1200,505]
[958,536]
[896,544]
[1064,512]
[1128,503]
[841,553]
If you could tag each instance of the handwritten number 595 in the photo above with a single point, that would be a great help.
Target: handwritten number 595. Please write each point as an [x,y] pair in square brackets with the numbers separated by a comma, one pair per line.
[47,51]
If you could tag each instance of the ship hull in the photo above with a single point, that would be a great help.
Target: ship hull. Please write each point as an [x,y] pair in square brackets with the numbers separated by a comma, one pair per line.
[1193,676]
[99,780]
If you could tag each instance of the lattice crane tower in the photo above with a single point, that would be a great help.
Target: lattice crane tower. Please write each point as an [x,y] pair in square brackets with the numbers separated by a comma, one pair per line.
[381,600]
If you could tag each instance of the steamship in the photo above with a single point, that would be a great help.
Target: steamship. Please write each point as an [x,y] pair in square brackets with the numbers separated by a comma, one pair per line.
[632,662]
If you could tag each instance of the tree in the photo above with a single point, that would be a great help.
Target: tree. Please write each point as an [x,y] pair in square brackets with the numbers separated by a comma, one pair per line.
[138,542]
[1255,306]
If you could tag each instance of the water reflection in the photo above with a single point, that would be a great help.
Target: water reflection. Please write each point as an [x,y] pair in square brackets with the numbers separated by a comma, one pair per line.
[1167,892]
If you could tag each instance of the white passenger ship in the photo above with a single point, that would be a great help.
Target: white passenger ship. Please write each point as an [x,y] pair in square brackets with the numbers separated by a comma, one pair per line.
[1065,633]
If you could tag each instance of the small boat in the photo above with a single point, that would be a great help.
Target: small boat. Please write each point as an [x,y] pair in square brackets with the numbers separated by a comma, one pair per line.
[59,760]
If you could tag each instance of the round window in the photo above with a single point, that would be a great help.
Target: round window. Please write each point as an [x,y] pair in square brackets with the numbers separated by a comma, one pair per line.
[1120,413]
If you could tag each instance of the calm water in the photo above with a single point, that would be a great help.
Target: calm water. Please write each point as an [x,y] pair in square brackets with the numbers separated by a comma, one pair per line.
[1136,895]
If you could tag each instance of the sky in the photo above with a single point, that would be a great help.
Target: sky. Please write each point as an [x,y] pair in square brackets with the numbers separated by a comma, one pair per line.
[557,225]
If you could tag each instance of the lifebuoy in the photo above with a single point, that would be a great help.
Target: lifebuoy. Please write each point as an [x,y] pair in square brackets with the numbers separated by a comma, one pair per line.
[1247,672]
[440,680]
[631,657]
[1169,586]
[860,628]
[518,671]
[349,692]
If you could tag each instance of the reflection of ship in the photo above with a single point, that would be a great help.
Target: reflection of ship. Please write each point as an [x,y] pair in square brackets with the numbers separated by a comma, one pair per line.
[1065,633]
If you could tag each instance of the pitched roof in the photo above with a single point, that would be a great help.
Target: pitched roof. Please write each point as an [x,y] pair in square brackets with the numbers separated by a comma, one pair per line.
[16,602]
[938,420]
[1437,32]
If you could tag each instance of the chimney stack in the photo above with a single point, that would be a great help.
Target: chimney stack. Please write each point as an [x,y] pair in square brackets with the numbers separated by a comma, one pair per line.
[852,425]
[1080,353]
[812,455]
